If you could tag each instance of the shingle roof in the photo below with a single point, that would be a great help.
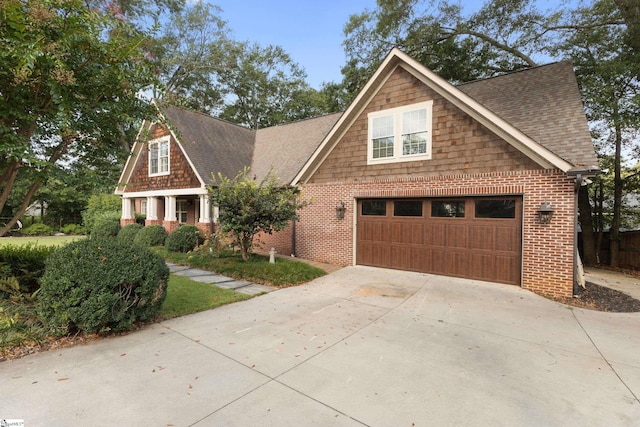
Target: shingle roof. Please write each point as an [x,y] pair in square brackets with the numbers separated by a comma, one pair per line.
[212,145]
[286,148]
[544,103]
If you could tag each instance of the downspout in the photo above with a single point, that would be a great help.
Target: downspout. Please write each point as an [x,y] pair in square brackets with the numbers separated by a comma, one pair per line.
[577,186]
[293,238]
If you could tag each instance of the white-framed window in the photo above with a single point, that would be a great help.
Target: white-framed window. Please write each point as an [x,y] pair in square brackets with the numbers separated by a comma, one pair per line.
[181,211]
[159,156]
[143,207]
[401,134]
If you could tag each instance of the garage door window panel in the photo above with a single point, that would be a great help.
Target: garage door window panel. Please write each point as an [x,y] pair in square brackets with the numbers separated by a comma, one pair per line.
[374,208]
[407,208]
[448,209]
[503,208]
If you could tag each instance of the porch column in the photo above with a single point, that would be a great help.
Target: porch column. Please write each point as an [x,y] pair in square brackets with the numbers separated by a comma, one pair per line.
[127,208]
[170,208]
[170,222]
[152,209]
[216,213]
[205,206]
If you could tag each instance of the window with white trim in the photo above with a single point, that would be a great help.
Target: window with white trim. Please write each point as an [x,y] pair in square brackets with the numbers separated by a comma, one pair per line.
[159,156]
[181,211]
[400,134]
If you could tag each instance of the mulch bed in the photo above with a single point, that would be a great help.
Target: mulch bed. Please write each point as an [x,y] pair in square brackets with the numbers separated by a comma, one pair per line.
[596,297]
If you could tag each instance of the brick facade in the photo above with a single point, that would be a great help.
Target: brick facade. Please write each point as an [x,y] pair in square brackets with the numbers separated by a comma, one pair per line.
[547,265]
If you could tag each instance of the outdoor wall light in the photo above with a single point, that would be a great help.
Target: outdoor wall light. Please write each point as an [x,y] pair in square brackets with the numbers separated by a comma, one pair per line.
[340,210]
[545,213]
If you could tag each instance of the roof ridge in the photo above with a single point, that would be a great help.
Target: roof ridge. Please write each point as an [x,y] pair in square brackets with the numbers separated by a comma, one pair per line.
[208,116]
[302,120]
[509,73]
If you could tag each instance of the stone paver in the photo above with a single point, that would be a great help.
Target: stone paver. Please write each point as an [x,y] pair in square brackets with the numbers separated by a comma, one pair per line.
[219,280]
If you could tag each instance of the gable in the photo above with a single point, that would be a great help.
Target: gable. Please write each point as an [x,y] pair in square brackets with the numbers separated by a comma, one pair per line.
[540,153]
[460,144]
[181,173]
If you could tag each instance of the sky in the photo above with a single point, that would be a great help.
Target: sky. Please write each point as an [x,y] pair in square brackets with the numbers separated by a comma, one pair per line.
[310,31]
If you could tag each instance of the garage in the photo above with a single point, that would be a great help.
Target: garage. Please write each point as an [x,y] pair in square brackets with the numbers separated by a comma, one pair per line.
[475,237]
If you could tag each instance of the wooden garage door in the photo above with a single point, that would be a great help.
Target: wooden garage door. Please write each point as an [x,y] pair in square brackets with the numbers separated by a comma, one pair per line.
[475,238]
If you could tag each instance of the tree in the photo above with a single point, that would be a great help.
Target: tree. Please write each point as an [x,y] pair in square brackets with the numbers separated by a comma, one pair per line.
[188,57]
[503,36]
[248,207]
[608,70]
[70,77]
[265,87]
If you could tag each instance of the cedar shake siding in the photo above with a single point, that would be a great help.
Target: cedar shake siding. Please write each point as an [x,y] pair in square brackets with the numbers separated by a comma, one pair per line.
[181,176]
[460,144]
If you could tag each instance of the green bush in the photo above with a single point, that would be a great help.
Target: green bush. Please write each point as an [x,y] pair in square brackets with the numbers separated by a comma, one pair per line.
[99,206]
[129,232]
[101,285]
[38,229]
[151,235]
[73,229]
[106,228]
[26,263]
[183,239]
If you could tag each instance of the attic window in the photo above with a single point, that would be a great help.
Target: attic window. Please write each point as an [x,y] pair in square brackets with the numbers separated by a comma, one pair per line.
[159,156]
[400,134]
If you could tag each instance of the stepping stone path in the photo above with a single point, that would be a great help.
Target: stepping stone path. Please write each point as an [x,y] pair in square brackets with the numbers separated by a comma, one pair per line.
[220,281]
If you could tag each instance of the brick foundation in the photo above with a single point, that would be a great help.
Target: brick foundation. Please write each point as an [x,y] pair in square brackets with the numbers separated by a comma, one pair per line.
[127,221]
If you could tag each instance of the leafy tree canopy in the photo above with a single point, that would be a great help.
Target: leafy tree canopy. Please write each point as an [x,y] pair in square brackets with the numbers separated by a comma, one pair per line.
[248,207]
[70,76]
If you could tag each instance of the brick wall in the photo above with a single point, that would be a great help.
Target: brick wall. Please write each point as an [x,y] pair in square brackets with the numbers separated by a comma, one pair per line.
[547,265]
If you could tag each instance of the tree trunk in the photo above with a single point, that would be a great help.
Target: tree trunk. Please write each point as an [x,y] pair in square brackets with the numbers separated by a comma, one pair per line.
[599,202]
[614,234]
[586,225]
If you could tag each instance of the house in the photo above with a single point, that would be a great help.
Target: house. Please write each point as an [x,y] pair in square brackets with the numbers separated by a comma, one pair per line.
[476,181]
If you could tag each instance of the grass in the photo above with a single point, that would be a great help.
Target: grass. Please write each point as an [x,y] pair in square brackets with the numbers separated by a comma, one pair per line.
[185,296]
[257,269]
[39,240]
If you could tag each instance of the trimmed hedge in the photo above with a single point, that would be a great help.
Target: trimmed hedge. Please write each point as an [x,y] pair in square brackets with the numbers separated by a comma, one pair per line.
[183,239]
[105,228]
[129,232]
[26,263]
[37,229]
[151,235]
[73,229]
[101,285]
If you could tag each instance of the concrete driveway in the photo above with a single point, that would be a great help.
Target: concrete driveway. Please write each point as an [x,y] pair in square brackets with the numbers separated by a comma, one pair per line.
[362,346]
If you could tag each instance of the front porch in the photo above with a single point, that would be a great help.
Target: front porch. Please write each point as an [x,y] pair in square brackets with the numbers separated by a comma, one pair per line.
[170,210]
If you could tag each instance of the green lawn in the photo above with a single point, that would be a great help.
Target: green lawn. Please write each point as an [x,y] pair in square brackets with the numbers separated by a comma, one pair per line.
[39,240]
[257,269]
[185,296]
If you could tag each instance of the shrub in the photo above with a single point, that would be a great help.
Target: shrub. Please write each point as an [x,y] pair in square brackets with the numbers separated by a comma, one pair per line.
[106,228]
[38,229]
[100,205]
[73,229]
[183,239]
[100,285]
[129,232]
[151,235]
[26,263]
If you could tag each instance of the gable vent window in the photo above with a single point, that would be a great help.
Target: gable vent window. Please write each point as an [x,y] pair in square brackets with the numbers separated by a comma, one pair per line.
[159,156]
[400,134]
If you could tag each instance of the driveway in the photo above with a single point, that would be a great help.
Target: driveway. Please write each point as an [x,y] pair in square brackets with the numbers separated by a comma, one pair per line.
[361,346]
